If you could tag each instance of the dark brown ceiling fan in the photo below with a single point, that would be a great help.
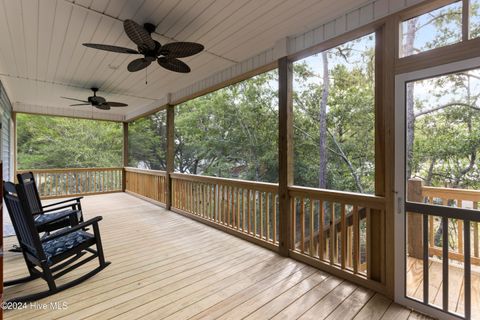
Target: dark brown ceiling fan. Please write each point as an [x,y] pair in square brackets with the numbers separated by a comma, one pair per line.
[97,102]
[166,55]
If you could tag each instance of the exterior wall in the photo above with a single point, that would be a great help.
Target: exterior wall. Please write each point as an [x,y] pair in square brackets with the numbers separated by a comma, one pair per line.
[5,143]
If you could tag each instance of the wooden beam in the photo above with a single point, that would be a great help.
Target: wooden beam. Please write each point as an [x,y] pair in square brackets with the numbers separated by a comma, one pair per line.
[170,154]
[125,155]
[388,40]
[285,151]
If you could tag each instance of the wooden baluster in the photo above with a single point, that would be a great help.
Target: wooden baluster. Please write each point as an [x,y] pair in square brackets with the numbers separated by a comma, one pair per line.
[254,216]
[267,213]
[332,233]
[243,210]
[274,218]
[356,240]
[238,208]
[321,235]
[248,211]
[260,209]
[302,224]
[343,235]
[312,228]
[367,244]
[56,184]
[211,203]
[293,203]
[229,221]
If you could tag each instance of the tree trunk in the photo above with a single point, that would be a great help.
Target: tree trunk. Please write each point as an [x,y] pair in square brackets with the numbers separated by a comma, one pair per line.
[409,99]
[322,119]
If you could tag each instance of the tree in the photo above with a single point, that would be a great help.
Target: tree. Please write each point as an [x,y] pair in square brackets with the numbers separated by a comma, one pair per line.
[56,142]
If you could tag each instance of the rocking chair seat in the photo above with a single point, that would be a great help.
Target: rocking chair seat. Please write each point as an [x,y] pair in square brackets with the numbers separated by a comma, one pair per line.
[54,216]
[57,246]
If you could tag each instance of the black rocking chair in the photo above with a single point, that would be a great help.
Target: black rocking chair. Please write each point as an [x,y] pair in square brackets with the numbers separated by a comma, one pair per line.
[52,216]
[54,255]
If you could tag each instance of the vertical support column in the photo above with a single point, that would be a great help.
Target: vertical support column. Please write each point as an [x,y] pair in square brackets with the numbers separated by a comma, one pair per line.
[125,155]
[414,221]
[170,154]
[285,151]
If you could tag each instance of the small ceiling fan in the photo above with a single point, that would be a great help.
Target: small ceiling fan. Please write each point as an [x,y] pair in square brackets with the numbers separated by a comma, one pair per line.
[166,55]
[97,102]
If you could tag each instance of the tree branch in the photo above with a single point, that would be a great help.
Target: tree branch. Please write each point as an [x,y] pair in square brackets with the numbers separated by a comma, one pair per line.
[446,106]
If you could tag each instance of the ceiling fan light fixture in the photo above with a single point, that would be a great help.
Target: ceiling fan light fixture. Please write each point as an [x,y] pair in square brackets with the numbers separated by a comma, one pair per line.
[166,55]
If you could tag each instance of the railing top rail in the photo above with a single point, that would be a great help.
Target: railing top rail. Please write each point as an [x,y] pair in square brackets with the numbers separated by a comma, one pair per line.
[261,186]
[452,193]
[345,197]
[69,170]
[147,171]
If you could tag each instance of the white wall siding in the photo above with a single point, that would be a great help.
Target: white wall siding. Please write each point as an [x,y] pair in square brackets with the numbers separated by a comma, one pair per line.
[6,115]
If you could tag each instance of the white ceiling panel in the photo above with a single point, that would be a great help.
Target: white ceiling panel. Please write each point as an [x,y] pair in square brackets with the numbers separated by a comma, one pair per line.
[42,57]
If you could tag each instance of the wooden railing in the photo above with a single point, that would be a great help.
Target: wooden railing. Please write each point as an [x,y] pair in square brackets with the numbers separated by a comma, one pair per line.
[247,208]
[333,227]
[149,184]
[58,183]
[329,228]
[460,198]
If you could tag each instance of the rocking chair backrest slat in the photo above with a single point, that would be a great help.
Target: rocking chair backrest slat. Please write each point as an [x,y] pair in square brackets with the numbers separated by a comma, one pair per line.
[27,183]
[23,222]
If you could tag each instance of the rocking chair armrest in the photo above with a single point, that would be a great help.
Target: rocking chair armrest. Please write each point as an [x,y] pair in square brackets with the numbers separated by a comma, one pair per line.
[54,209]
[72,214]
[66,231]
[77,200]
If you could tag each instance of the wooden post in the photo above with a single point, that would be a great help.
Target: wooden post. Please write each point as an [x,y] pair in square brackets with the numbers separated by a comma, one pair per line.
[170,154]
[414,220]
[285,151]
[125,155]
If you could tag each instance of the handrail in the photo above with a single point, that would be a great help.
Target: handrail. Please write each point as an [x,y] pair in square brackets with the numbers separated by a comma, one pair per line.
[263,186]
[53,170]
[452,193]
[367,200]
[67,182]
[147,171]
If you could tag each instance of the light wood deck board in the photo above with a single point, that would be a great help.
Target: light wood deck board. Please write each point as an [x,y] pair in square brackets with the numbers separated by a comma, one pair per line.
[167,266]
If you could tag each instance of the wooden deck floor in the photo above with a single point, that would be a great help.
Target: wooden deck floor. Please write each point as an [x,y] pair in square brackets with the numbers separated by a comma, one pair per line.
[165,266]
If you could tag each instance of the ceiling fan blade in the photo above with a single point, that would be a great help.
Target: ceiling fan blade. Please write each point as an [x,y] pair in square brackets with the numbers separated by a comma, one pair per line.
[174,65]
[138,64]
[80,104]
[103,106]
[116,104]
[85,101]
[181,49]
[107,47]
[138,34]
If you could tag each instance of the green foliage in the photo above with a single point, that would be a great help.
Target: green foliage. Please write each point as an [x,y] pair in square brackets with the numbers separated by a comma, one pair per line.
[55,142]
[350,118]
[147,143]
[229,133]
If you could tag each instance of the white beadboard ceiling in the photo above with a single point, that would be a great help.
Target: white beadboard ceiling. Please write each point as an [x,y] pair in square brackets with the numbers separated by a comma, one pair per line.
[42,57]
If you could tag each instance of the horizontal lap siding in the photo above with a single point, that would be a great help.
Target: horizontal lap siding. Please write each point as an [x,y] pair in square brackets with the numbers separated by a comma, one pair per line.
[6,113]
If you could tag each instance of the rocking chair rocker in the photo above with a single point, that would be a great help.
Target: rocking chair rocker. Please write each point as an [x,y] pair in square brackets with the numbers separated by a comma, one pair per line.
[55,255]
